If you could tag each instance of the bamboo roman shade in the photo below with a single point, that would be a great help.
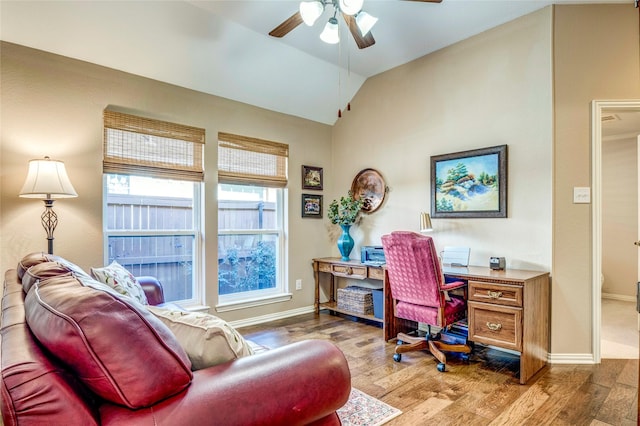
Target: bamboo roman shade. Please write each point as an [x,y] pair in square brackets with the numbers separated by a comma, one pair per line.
[143,146]
[251,161]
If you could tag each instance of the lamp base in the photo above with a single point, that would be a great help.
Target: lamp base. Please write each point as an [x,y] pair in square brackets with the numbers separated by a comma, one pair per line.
[49,222]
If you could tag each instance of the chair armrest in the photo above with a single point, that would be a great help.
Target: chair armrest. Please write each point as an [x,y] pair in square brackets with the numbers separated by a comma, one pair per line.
[453,285]
[292,385]
[152,289]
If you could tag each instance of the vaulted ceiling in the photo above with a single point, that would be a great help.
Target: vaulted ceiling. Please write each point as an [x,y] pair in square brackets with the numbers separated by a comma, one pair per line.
[223,47]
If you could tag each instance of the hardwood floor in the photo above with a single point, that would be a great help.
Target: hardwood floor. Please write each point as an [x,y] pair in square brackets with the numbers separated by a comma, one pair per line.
[483,392]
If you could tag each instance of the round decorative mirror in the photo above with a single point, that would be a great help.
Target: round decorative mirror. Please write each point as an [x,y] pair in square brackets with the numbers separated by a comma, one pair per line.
[369,186]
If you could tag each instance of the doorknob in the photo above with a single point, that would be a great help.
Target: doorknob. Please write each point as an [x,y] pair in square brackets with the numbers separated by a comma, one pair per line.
[637,243]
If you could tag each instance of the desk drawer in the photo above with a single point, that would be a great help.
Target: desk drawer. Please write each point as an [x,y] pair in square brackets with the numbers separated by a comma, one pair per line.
[499,294]
[495,325]
[324,267]
[376,273]
[356,272]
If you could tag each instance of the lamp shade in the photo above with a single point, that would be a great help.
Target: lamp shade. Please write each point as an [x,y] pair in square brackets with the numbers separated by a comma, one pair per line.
[425,222]
[365,22]
[47,179]
[330,33]
[311,11]
[350,7]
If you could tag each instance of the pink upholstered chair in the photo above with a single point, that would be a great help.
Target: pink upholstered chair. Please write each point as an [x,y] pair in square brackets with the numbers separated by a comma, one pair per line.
[420,295]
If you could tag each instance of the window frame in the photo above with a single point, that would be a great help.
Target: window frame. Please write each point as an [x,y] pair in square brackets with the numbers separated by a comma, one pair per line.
[268,162]
[281,292]
[198,291]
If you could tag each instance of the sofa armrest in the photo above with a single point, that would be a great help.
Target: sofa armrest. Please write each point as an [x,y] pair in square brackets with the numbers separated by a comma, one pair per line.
[295,384]
[152,289]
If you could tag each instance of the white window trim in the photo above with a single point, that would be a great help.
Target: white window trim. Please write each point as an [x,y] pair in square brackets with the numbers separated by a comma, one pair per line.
[248,302]
[281,293]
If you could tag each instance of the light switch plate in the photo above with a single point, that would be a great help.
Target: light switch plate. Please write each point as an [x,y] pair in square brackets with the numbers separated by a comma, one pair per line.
[581,195]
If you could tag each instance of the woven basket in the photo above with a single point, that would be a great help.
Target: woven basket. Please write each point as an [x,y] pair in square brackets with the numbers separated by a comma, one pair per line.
[356,299]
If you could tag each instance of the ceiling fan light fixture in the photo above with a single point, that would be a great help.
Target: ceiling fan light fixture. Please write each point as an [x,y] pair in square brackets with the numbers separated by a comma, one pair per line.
[311,11]
[350,7]
[365,22]
[330,33]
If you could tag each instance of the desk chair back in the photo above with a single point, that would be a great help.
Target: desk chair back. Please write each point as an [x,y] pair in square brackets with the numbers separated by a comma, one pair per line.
[419,292]
[416,280]
[414,270]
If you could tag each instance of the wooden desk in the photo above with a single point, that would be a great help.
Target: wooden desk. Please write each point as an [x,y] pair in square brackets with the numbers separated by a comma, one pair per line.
[507,309]
[351,269]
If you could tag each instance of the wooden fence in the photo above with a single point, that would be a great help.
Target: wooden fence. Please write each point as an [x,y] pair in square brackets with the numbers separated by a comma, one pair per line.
[170,257]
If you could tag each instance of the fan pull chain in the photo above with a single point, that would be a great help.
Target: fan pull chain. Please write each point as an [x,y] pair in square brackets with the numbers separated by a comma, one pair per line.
[339,73]
[348,72]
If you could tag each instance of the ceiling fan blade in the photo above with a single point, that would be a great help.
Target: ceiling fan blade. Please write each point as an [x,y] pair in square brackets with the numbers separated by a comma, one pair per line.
[361,42]
[288,25]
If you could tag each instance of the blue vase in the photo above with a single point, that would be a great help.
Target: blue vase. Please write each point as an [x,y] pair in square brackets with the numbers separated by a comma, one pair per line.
[345,242]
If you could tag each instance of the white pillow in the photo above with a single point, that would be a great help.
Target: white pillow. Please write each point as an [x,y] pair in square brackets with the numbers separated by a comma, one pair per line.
[121,280]
[207,339]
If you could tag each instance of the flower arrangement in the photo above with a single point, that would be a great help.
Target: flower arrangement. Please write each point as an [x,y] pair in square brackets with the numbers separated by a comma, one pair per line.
[345,211]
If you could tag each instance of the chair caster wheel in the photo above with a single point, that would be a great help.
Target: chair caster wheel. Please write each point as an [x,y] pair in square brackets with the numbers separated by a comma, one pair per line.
[465,358]
[441,367]
[397,357]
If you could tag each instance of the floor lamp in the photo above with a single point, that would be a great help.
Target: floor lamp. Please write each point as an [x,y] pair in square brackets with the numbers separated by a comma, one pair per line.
[47,180]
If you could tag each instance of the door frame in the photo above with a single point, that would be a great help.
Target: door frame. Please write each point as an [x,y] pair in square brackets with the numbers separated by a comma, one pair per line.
[597,107]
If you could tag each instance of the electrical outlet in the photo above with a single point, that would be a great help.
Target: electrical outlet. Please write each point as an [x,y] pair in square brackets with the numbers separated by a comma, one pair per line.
[298,284]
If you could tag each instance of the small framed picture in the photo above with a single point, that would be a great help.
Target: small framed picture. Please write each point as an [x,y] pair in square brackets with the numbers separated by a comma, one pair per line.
[312,206]
[311,177]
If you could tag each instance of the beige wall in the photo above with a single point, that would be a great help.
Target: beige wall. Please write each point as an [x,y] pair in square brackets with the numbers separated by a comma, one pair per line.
[596,57]
[53,106]
[492,89]
[619,217]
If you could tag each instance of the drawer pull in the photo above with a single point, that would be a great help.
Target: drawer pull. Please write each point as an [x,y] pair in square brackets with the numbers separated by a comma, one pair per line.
[348,270]
[494,327]
[494,294]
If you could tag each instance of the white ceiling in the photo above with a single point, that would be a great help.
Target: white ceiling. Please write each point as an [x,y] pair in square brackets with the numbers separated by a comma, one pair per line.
[223,47]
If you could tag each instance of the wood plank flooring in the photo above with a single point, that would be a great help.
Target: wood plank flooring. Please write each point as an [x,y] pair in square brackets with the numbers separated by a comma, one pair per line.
[483,392]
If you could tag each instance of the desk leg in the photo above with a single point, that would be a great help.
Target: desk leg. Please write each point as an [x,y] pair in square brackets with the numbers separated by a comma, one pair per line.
[332,288]
[316,275]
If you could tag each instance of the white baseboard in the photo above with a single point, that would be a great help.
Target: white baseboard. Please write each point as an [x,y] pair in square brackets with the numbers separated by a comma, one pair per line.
[571,359]
[272,317]
[621,297]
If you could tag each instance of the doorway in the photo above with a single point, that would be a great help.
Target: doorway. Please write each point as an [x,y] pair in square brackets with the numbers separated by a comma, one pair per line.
[611,121]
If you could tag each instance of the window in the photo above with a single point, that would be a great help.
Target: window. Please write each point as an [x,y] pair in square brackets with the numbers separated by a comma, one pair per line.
[152,202]
[252,174]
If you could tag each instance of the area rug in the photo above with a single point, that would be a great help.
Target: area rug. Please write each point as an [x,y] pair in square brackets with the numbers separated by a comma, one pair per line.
[365,410]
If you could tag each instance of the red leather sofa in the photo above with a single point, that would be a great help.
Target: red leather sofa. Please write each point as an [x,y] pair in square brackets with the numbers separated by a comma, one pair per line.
[74,354]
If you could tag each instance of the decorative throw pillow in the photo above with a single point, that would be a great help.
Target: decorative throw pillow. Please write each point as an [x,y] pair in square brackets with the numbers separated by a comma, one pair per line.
[207,339]
[121,280]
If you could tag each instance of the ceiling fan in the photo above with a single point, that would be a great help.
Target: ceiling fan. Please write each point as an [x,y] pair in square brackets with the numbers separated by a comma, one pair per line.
[358,21]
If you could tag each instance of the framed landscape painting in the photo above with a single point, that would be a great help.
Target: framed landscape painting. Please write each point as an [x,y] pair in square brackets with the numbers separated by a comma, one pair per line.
[311,177]
[470,183]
